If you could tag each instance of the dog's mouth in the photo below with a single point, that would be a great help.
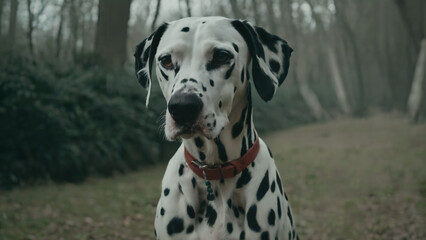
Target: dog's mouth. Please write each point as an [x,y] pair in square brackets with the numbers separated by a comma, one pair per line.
[175,131]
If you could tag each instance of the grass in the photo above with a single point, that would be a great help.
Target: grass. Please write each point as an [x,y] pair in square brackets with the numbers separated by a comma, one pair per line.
[346,179]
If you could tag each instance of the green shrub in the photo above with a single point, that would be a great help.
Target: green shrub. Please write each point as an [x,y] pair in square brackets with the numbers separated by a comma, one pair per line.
[66,126]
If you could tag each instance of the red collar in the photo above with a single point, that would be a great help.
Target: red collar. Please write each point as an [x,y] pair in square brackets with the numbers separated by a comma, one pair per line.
[222,171]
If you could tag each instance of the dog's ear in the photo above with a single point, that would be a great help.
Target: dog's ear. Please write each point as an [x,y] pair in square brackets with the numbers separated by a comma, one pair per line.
[270,58]
[144,58]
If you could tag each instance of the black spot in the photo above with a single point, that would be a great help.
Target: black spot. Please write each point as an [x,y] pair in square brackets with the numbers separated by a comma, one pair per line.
[275,66]
[180,188]
[216,193]
[177,68]
[211,215]
[271,217]
[270,153]
[248,118]
[166,192]
[198,142]
[211,83]
[236,213]
[279,207]
[155,232]
[202,207]
[204,88]
[221,150]
[193,182]
[243,147]
[251,219]
[241,210]
[285,195]
[203,22]
[242,235]
[184,80]
[252,164]
[181,169]
[264,236]
[190,229]
[164,75]
[193,80]
[263,187]
[162,211]
[220,104]
[279,183]
[289,235]
[235,89]
[244,178]
[242,75]
[175,226]
[229,72]
[229,202]
[201,95]
[185,29]
[229,227]
[273,186]
[235,47]
[146,54]
[214,123]
[200,219]
[289,215]
[190,211]
[294,233]
[268,39]
[202,156]
[238,127]
[150,36]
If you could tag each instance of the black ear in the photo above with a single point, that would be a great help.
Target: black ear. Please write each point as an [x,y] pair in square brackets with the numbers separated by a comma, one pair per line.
[144,58]
[270,58]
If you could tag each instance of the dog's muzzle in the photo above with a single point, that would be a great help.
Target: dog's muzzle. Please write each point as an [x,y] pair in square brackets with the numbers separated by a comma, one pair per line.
[185,108]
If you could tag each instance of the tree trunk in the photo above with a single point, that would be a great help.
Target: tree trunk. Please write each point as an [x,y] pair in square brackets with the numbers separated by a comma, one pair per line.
[157,12]
[338,82]
[271,16]
[111,33]
[12,22]
[311,99]
[58,39]
[236,9]
[188,8]
[30,28]
[360,108]
[1,16]
[415,97]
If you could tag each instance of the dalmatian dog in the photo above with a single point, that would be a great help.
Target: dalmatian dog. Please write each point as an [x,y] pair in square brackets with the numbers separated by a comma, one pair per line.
[222,183]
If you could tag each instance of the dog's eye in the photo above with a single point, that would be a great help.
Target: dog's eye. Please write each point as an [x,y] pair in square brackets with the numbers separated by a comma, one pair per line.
[221,57]
[166,62]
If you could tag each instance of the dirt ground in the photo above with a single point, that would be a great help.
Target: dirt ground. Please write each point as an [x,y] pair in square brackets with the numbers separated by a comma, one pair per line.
[346,179]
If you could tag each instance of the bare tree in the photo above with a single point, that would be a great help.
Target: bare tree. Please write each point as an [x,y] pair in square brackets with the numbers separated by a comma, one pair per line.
[30,28]
[111,33]
[188,8]
[58,39]
[157,12]
[415,97]
[1,16]
[342,23]
[12,22]
[236,9]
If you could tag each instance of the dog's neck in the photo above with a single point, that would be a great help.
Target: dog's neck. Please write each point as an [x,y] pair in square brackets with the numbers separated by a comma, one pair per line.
[235,139]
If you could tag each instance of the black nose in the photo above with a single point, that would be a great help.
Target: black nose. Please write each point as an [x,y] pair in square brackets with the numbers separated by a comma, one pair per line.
[185,107]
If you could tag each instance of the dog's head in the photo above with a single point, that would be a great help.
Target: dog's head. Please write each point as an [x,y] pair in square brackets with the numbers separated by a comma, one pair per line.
[202,65]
